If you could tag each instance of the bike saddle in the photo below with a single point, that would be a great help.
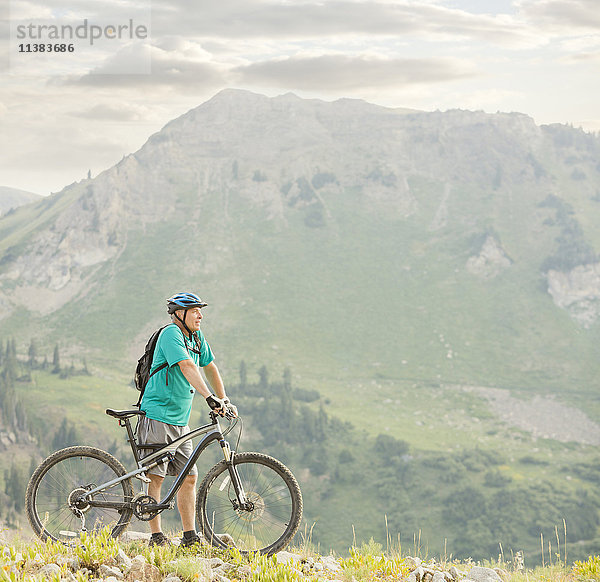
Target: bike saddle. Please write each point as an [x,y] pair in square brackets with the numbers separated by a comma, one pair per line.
[124,413]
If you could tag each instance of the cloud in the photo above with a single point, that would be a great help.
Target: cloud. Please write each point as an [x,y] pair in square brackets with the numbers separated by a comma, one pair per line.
[562,16]
[341,72]
[239,19]
[113,112]
[174,65]
[585,58]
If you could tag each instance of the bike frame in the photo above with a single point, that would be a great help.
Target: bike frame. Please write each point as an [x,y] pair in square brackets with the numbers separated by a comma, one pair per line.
[212,432]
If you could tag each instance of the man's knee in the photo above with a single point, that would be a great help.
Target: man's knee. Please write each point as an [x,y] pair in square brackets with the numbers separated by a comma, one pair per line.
[189,482]
[156,482]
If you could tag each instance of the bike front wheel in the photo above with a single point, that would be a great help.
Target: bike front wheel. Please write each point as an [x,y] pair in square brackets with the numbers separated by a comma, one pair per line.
[274,512]
[53,509]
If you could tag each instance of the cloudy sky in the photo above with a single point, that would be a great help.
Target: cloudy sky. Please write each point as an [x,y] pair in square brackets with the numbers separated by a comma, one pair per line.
[64,113]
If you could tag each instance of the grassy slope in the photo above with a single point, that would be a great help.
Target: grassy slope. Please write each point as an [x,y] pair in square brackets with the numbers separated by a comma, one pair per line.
[365,311]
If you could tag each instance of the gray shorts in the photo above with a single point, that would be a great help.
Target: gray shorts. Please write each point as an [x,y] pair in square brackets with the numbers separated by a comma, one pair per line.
[152,431]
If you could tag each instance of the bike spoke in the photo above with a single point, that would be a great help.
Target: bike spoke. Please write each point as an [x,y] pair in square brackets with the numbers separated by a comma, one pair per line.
[270,513]
[64,481]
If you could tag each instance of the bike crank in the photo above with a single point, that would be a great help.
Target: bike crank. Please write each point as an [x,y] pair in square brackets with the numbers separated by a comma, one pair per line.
[144,507]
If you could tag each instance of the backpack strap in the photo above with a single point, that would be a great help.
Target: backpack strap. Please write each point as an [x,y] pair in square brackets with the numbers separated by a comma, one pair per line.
[166,364]
[161,367]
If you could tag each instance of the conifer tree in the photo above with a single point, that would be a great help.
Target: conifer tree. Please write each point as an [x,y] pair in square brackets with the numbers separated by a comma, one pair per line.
[243,375]
[14,483]
[56,360]
[287,379]
[263,375]
[32,354]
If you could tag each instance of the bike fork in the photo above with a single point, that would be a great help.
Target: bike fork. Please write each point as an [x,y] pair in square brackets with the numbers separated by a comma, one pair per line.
[233,474]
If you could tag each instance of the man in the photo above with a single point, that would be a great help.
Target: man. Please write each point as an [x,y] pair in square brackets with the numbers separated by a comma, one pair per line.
[167,403]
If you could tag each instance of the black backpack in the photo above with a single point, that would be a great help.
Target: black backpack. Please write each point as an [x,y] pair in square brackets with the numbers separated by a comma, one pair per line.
[144,365]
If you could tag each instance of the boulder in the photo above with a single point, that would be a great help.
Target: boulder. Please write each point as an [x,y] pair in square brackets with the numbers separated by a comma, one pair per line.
[49,571]
[108,571]
[480,574]
[142,571]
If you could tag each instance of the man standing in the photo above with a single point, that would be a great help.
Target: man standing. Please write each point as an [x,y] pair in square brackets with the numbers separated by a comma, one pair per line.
[167,403]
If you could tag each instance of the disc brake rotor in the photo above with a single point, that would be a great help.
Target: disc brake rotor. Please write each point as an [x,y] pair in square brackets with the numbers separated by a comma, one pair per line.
[258,507]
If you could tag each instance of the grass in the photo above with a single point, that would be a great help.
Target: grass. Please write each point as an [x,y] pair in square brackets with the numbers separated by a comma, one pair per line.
[369,562]
[448,427]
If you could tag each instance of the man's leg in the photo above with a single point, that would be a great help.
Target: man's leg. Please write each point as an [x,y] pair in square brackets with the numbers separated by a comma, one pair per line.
[154,487]
[186,503]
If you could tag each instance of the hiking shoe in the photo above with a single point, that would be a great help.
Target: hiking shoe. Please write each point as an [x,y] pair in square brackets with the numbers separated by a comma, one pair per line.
[159,540]
[190,542]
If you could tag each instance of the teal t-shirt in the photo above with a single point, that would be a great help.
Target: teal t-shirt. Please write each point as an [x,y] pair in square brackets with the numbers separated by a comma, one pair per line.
[168,395]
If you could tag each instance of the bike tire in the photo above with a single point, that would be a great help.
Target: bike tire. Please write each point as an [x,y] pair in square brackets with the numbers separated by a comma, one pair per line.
[65,472]
[277,500]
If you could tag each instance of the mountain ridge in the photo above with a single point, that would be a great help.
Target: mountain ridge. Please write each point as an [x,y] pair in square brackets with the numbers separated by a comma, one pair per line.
[275,194]
[12,198]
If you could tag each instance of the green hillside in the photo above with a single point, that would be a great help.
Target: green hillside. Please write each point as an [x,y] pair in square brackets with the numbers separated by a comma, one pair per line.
[466,493]
[432,276]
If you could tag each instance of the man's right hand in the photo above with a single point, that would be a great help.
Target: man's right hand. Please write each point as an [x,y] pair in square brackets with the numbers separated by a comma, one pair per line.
[232,410]
[216,404]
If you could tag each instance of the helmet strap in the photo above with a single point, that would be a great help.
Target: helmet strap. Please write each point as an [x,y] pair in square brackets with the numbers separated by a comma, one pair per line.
[183,322]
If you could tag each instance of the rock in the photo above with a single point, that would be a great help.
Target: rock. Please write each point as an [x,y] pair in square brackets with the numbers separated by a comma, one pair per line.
[124,560]
[72,562]
[107,571]
[141,571]
[172,578]
[215,562]
[417,575]
[69,578]
[438,577]
[577,292]
[330,564]
[479,574]
[226,539]
[454,573]
[244,570]
[412,563]
[134,536]
[490,261]
[49,571]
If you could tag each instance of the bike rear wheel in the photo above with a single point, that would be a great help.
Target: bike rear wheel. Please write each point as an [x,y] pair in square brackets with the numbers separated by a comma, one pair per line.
[275,498]
[63,477]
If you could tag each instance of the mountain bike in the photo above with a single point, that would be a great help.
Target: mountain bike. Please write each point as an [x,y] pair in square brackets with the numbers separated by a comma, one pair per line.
[248,500]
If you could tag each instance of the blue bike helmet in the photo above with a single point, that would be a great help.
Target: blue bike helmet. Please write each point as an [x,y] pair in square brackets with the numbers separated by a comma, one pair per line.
[184,301]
